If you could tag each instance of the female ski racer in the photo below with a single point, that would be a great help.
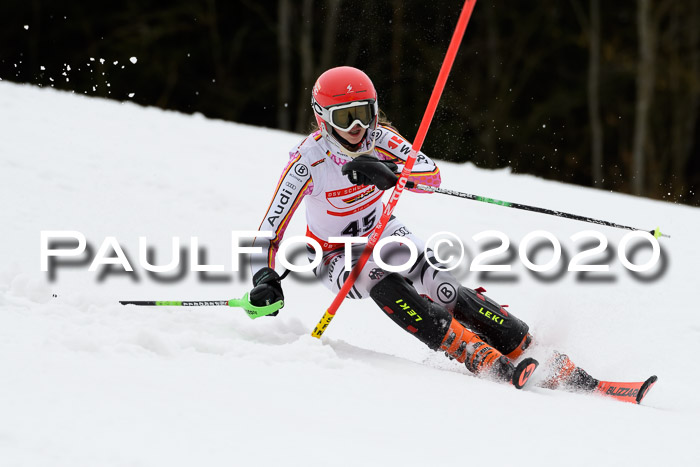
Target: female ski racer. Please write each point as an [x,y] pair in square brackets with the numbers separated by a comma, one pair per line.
[340,171]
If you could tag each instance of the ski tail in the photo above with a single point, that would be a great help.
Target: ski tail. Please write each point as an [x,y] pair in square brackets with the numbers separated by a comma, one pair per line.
[626,392]
[523,372]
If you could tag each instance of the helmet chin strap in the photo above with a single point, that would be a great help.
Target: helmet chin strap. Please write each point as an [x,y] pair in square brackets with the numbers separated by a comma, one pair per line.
[346,146]
[345,142]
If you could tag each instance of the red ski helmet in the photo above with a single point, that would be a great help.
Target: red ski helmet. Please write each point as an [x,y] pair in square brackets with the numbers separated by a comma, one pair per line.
[342,98]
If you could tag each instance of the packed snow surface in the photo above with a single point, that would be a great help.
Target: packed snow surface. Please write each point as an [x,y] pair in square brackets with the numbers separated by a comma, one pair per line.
[85,381]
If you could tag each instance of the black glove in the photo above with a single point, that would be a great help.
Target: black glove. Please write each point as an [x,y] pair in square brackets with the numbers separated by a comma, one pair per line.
[267,290]
[368,170]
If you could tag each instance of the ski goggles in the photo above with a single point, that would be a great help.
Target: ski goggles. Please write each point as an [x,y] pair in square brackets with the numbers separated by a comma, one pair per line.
[345,116]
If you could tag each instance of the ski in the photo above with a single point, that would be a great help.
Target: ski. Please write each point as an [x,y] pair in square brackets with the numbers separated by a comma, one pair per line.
[626,392]
[563,373]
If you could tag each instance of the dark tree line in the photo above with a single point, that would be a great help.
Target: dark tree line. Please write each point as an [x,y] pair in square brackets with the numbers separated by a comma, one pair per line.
[603,94]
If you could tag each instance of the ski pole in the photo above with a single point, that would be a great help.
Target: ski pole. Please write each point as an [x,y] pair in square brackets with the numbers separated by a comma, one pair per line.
[464,16]
[252,310]
[656,232]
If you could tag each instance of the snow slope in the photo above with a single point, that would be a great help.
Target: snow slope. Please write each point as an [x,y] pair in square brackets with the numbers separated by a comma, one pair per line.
[87,382]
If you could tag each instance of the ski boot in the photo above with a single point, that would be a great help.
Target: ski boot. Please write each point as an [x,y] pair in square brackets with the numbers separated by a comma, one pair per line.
[467,347]
[562,372]
[492,322]
[433,325]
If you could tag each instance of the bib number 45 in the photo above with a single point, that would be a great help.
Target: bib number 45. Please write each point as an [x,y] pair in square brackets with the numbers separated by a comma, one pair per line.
[353,228]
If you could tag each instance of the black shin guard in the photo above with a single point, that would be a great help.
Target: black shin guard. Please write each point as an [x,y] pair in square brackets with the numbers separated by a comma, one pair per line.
[428,321]
[490,321]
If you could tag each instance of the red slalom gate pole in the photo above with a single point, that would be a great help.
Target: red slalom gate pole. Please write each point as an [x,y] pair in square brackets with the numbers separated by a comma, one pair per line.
[410,161]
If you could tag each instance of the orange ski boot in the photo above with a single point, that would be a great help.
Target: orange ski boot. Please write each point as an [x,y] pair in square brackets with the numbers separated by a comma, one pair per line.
[563,372]
[479,358]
